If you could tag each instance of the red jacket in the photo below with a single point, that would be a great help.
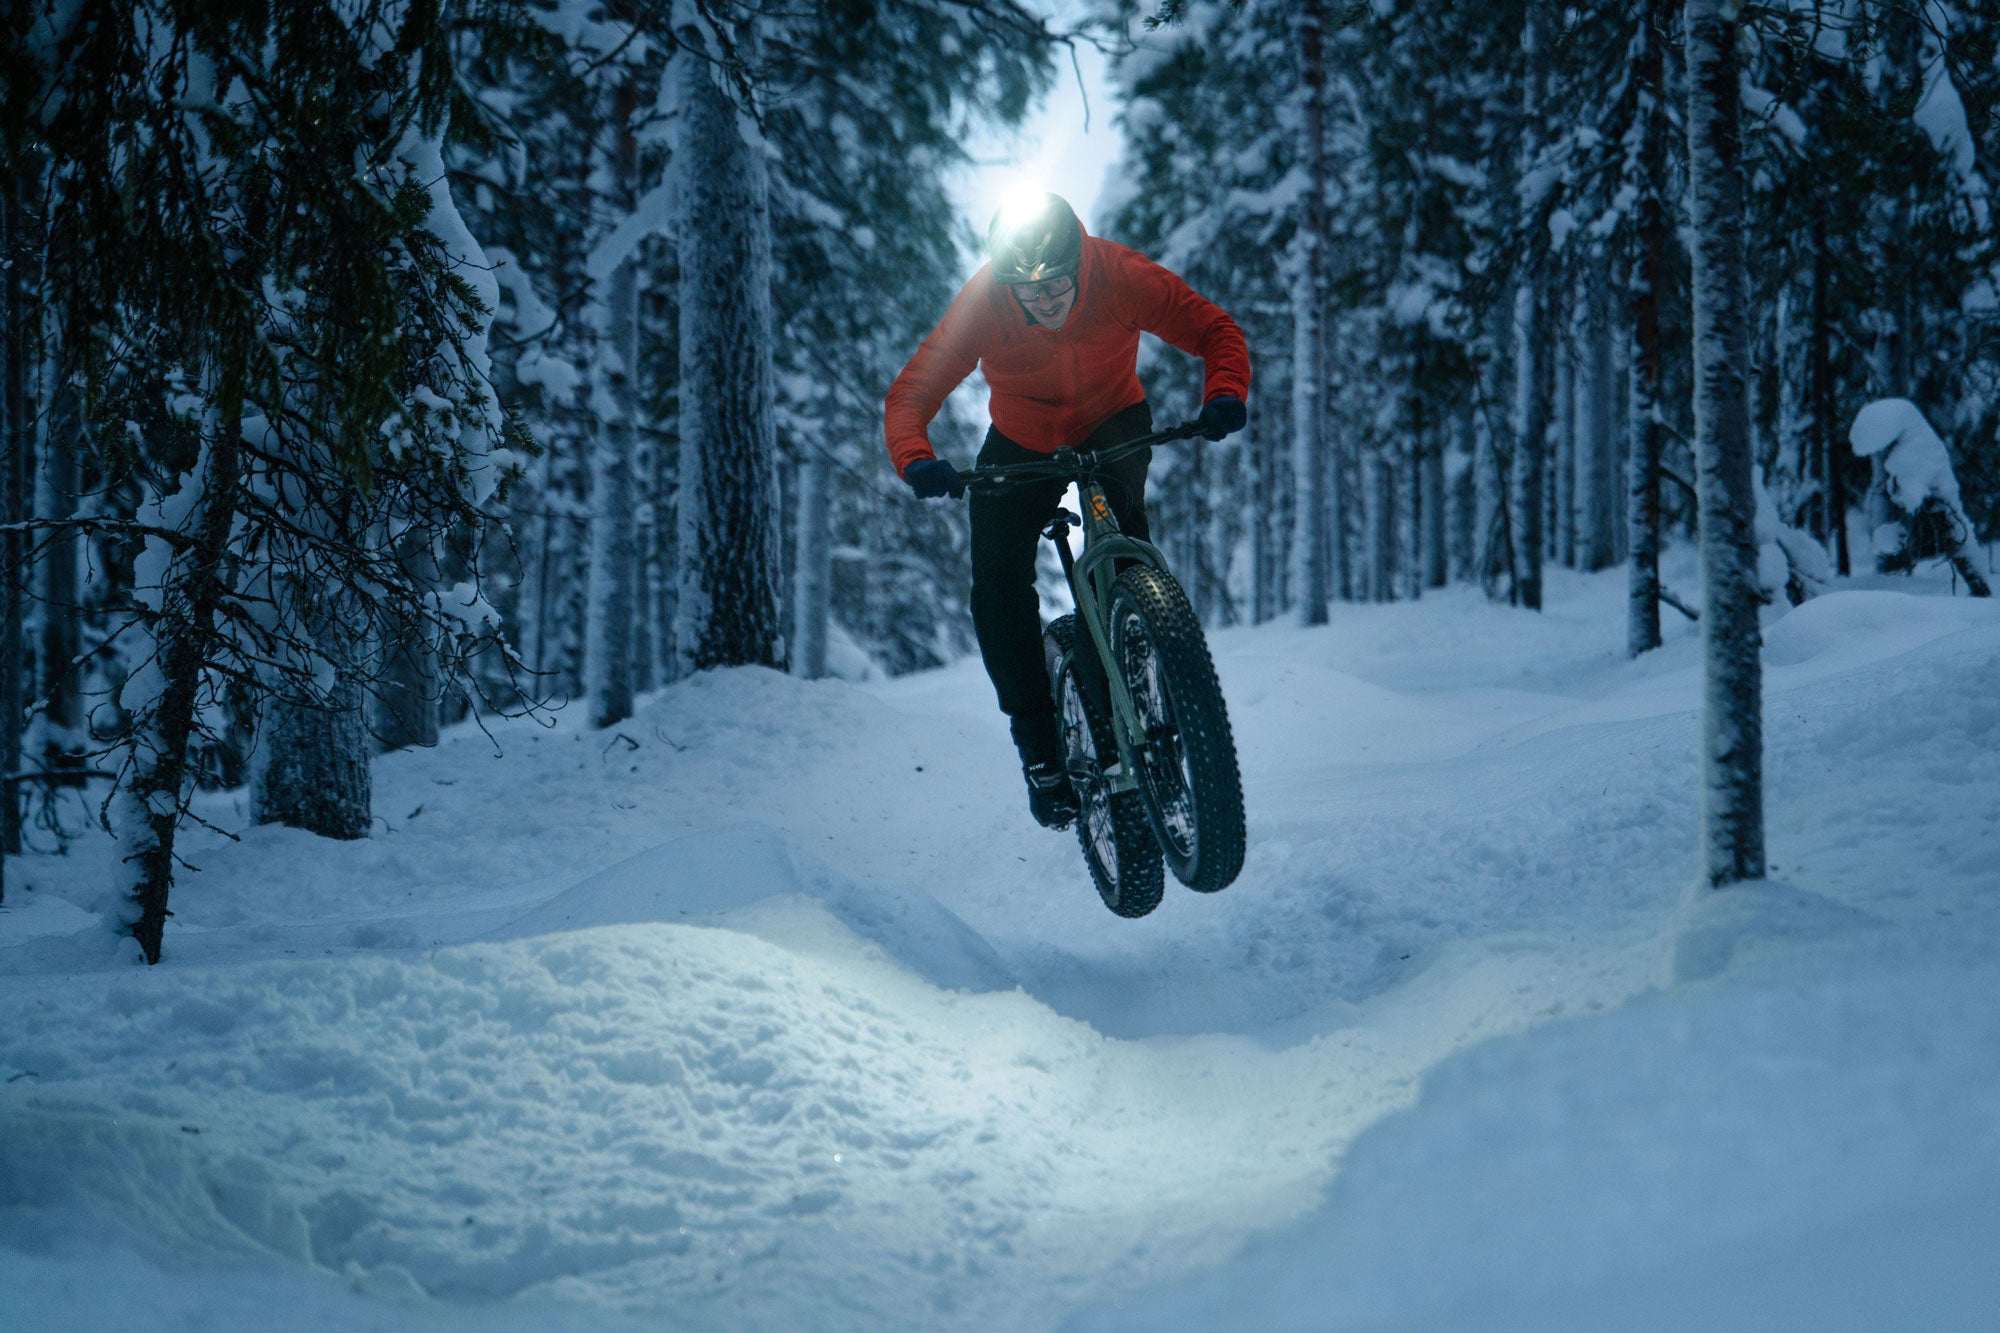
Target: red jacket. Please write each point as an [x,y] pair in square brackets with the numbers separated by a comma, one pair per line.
[1052,387]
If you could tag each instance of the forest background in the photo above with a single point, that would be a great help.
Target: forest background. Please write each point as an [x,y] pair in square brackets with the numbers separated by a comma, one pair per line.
[373,365]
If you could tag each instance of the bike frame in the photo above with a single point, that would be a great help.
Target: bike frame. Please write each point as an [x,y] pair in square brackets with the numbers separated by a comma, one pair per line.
[1091,576]
[1106,549]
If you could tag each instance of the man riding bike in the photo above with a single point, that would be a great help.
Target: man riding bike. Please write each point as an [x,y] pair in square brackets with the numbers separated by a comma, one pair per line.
[1053,321]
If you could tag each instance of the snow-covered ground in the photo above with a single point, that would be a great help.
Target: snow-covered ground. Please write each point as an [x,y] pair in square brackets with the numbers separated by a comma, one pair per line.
[770,1009]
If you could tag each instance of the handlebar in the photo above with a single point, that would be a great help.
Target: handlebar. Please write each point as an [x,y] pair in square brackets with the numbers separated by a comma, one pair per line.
[1073,464]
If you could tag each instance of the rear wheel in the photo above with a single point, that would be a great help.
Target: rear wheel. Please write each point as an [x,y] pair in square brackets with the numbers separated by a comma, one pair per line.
[1111,827]
[1192,790]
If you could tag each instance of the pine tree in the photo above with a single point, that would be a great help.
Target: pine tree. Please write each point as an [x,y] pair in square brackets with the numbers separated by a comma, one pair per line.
[300,356]
[867,110]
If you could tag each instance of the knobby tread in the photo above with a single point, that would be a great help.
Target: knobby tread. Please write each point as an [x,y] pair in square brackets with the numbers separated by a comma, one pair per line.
[1215,782]
[1137,883]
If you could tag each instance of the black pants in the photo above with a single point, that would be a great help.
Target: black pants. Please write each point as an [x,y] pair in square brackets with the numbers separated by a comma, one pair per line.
[1006,533]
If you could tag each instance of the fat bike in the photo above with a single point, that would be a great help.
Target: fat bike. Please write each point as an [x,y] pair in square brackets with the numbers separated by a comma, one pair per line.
[1145,734]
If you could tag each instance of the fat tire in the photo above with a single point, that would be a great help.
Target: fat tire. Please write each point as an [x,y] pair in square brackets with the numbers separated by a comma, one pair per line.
[1202,838]
[1131,879]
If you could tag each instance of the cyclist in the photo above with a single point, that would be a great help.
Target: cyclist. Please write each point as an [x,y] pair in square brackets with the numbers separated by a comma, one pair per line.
[1053,320]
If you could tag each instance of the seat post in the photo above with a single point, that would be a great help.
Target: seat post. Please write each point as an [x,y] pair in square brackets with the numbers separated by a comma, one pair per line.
[1058,532]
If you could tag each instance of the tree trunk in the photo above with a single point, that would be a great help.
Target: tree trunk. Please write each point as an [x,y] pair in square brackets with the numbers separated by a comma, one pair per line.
[531,608]
[1221,535]
[1309,462]
[1431,509]
[1409,487]
[311,770]
[1596,441]
[1461,492]
[813,580]
[1380,472]
[662,557]
[727,614]
[1732,721]
[608,619]
[186,589]
[1829,442]
[1648,272]
[1310,545]
[407,694]
[1527,473]
[311,765]
[1257,521]
[1563,498]
[18,322]
[1494,539]
[60,686]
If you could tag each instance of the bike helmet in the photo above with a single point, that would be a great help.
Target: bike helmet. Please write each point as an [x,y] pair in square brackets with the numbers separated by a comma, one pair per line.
[1035,240]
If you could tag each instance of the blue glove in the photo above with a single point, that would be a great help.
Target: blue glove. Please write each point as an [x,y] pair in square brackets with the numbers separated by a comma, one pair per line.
[1222,415]
[932,478]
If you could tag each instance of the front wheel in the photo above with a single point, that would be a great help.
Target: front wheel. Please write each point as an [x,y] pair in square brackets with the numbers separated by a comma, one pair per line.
[1111,827]
[1187,763]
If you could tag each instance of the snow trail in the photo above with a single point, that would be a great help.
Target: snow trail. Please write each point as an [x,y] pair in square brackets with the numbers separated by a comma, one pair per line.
[770,1007]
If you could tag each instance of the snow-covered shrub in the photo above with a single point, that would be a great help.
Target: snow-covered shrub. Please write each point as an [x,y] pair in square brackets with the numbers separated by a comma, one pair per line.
[1789,562]
[1918,480]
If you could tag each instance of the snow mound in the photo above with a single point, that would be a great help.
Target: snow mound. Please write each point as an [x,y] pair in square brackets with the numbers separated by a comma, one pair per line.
[1843,631]
[1719,927]
[618,1116]
[1621,1171]
[718,876]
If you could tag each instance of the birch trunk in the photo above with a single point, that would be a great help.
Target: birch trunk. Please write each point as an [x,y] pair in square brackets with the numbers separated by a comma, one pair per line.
[1732,716]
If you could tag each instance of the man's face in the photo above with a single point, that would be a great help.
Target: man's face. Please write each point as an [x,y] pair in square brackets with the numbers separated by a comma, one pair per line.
[1048,303]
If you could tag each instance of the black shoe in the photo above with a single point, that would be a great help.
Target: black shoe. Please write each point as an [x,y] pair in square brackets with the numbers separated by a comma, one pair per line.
[1051,798]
